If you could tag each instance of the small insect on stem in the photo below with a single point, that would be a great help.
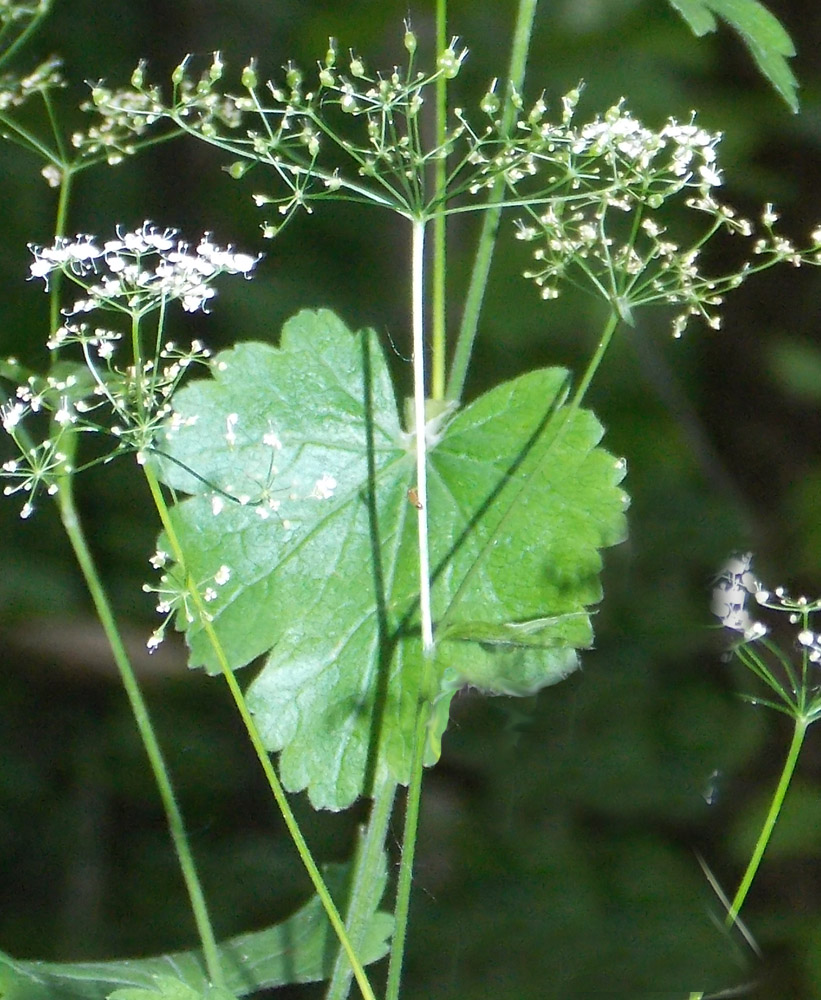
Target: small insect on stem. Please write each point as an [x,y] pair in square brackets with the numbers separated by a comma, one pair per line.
[413,497]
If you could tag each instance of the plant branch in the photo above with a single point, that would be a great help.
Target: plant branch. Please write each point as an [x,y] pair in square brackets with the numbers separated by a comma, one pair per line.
[368,869]
[259,747]
[525,15]
[419,419]
[405,883]
[800,731]
[176,826]
[439,302]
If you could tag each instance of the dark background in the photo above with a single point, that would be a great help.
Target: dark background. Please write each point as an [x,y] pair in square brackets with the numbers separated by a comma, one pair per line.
[560,835]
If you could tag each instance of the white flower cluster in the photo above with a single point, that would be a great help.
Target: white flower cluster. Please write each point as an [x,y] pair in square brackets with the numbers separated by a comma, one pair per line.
[290,125]
[15,90]
[606,221]
[140,271]
[113,134]
[736,584]
[174,596]
[134,274]
[42,465]
[595,197]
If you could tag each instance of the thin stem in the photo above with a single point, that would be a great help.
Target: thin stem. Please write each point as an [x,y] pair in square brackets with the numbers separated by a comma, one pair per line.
[439,303]
[800,731]
[368,870]
[593,365]
[176,826]
[490,225]
[63,201]
[419,414]
[259,747]
[24,35]
[405,882]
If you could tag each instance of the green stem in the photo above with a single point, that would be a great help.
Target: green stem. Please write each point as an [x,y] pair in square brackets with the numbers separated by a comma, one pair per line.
[409,834]
[439,304]
[256,741]
[524,23]
[176,826]
[490,225]
[63,200]
[593,365]
[800,731]
[367,872]
[24,35]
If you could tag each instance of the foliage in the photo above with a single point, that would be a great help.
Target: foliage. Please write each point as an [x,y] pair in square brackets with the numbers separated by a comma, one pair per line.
[381,559]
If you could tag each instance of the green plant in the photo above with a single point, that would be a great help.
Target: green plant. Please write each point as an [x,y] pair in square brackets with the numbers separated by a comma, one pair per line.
[380,557]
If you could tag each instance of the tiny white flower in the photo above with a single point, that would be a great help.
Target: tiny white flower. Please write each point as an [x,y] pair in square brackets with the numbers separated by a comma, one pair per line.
[231,422]
[324,487]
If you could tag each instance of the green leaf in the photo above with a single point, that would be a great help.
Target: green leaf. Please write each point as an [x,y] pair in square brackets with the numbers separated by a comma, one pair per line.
[169,988]
[520,502]
[301,949]
[761,31]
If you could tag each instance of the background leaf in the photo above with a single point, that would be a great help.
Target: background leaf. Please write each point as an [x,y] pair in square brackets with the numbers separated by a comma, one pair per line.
[330,585]
[301,949]
[762,32]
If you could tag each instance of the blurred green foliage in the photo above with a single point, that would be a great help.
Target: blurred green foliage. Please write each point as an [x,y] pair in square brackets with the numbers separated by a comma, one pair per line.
[558,855]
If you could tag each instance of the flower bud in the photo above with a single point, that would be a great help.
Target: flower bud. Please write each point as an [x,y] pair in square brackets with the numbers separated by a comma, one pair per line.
[215,72]
[490,103]
[249,75]
[293,77]
[179,73]
[450,61]
[138,76]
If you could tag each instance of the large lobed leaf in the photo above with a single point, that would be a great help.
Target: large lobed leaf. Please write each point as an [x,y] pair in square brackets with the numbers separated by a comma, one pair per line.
[520,502]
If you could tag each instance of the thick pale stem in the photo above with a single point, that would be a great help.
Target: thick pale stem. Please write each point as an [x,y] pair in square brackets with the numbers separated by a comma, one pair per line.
[418,305]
